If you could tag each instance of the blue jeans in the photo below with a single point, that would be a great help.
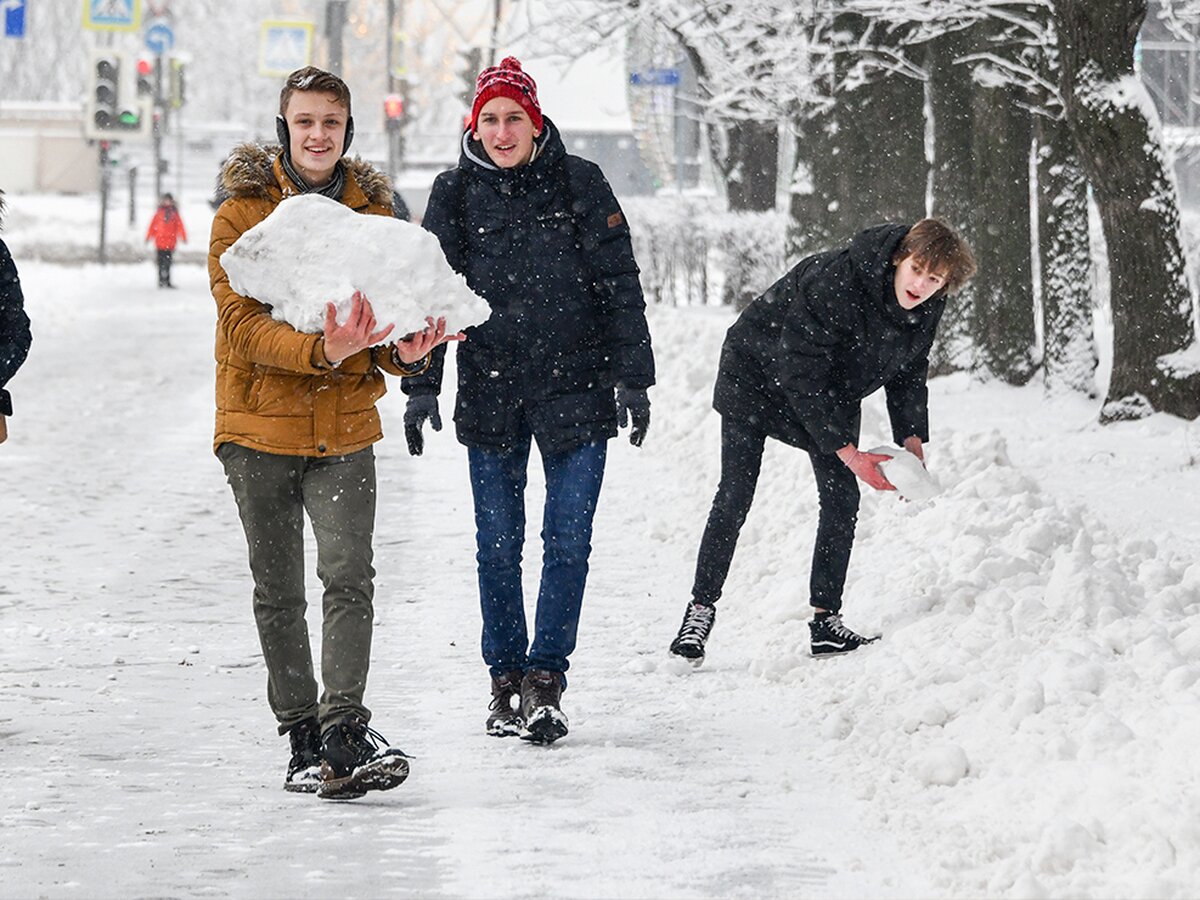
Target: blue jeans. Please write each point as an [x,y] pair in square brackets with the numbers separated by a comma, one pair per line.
[498,483]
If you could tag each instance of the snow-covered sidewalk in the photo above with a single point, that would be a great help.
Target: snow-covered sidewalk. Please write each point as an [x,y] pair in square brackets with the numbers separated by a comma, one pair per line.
[140,757]
[1026,728]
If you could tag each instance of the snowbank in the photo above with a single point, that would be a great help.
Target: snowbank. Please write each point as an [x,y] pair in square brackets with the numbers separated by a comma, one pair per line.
[1029,721]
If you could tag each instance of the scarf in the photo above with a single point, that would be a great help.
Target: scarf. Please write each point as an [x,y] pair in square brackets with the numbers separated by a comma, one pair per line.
[333,190]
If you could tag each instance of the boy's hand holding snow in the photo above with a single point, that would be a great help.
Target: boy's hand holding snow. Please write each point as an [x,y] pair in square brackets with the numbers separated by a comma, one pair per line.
[419,344]
[357,333]
[866,466]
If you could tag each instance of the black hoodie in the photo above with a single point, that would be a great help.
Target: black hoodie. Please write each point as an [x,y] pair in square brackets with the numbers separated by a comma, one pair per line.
[14,324]
[799,360]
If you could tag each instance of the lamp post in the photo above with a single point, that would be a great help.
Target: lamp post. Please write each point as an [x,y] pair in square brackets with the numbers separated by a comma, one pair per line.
[397,94]
[335,21]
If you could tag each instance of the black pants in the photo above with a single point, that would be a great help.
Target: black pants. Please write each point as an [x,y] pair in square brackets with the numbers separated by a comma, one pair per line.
[164,267]
[741,461]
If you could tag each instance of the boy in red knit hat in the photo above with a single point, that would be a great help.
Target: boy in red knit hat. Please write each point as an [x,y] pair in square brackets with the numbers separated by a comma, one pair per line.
[507,80]
[563,360]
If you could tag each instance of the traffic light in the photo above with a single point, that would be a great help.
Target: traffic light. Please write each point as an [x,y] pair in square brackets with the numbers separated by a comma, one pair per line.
[106,92]
[113,110]
[393,108]
[145,78]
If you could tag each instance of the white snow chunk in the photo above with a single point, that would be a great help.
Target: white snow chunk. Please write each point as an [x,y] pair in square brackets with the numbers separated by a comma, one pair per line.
[1063,844]
[313,250]
[908,474]
[678,666]
[945,764]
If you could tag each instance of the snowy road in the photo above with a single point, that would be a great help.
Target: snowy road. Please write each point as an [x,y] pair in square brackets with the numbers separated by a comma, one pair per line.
[139,755]
[1027,727]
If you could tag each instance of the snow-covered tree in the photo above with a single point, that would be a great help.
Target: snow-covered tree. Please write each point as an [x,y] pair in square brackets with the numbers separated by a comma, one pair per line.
[49,62]
[860,141]
[752,74]
[1155,365]
[1069,348]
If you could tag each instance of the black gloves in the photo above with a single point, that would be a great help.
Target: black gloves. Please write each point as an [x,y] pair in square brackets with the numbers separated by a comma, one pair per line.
[420,407]
[632,403]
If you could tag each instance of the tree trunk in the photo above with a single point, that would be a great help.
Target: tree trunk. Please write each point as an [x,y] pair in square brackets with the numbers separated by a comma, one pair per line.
[865,155]
[1120,145]
[950,106]
[1002,324]
[1069,358]
[749,163]
[809,219]
[876,169]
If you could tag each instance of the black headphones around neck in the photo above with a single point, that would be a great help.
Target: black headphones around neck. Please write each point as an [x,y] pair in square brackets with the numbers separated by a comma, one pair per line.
[285,138]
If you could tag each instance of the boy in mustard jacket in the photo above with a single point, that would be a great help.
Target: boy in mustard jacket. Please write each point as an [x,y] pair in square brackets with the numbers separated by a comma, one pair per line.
[295,424]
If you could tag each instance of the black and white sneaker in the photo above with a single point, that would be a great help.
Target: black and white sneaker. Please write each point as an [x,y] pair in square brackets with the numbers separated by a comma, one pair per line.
[304,770]
[830,637]
[697,624]
[354,763]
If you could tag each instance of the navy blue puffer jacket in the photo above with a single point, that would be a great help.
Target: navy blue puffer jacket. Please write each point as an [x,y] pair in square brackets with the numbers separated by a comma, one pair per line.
[547,245]
[14,326]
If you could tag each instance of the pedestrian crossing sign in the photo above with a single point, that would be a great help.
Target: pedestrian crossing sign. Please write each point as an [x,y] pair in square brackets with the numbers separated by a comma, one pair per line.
[284,47]
[112,15]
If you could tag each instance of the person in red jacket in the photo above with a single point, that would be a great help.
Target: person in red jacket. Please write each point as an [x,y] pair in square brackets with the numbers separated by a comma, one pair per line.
[166,228]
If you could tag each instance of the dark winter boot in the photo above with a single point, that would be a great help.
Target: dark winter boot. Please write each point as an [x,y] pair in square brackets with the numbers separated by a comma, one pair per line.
[304,771]
[830,637]
[544,722]
[354,763]
[504,712]
[697,624]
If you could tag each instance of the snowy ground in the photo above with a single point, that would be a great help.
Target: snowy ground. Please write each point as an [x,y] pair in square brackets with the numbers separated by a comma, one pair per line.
[1026,728]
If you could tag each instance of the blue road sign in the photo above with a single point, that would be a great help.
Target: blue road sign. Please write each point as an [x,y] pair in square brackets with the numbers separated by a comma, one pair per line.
[160,38]
[655,78]
[14,18]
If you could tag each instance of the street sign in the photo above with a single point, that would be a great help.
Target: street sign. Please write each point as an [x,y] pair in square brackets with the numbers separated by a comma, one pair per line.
[284,47]
[160,38]
[655,78]
[14,18]
[112,15]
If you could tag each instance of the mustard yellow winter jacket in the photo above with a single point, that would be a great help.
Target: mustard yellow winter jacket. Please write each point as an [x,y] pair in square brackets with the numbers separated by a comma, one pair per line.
[276,391]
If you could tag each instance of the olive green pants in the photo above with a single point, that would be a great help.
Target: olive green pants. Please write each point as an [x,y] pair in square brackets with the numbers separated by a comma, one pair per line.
[273,492]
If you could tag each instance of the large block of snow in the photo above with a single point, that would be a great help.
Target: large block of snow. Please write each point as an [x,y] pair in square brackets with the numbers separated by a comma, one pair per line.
[312,250]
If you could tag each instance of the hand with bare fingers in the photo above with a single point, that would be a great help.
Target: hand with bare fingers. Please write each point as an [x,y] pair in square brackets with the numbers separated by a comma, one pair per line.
[355,334]
[866,466]
[415,346]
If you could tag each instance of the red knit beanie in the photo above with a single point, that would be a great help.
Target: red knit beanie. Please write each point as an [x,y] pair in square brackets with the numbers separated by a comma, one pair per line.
[507,80]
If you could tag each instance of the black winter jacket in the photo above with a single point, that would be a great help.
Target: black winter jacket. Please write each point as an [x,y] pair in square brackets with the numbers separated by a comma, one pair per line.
[14,326]
[799,360]
[547,246]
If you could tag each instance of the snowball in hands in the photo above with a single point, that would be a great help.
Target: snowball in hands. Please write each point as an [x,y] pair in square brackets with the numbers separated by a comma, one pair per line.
[907,473]
[312,251]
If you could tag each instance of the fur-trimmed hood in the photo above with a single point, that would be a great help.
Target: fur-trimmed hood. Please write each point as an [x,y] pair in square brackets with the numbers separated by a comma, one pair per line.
[249,171]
